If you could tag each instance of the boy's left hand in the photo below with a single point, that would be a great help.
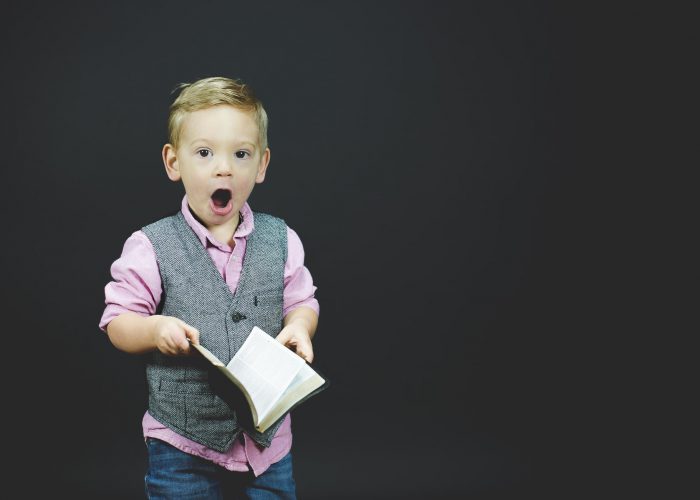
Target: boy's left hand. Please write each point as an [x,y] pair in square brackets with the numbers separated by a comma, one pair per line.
[296,337]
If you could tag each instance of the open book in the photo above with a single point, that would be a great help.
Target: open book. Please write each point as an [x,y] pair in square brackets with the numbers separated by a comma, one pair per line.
[272,377]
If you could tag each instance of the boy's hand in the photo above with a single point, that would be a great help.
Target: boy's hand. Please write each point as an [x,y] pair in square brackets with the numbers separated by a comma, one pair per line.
[170,335]
[296,337]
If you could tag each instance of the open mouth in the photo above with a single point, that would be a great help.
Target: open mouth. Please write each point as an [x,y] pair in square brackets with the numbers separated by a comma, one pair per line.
[221,202]
[221,197]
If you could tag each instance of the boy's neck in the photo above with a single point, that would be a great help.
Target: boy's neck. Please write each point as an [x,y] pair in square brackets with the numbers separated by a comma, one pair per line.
[222,233]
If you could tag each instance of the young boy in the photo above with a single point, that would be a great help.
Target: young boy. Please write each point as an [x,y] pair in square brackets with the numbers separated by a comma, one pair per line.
[208,275]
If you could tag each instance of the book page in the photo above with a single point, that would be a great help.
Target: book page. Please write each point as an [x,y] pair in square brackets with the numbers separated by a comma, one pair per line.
[207,354]
[266,368]
[305,382]
[227,373]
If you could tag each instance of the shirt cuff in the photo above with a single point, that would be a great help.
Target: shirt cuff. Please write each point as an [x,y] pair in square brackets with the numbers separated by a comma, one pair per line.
[310,302]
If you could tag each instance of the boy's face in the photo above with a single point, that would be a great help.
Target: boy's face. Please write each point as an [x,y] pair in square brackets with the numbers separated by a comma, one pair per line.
[219,160]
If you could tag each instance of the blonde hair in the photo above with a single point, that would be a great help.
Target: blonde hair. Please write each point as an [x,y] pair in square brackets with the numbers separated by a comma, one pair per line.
[214,91]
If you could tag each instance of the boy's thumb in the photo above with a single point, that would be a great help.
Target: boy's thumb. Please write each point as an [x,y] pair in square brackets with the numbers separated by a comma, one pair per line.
[190,332]
[283,337]
[306,351]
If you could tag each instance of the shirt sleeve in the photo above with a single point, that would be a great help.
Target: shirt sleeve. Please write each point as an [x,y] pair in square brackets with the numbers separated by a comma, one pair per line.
[136,285]
[299,287]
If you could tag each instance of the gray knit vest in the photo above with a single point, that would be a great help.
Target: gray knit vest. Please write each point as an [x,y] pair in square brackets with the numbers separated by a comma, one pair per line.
[183,394]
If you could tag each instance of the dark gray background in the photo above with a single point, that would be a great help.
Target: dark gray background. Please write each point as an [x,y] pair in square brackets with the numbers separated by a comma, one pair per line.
[431,156]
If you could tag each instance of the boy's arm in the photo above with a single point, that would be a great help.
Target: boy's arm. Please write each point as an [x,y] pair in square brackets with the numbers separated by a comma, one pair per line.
[299,328]
[300,305]
[137,334]
[132,299]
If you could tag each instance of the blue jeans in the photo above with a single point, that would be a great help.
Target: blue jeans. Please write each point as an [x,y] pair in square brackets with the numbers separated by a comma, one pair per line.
[175,474]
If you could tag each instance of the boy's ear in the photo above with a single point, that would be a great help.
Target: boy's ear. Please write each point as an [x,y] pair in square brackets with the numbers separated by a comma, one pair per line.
[170,162]
[264,162]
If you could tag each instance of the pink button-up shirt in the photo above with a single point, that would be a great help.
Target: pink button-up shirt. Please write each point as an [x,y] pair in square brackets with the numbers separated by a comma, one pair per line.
[137,288]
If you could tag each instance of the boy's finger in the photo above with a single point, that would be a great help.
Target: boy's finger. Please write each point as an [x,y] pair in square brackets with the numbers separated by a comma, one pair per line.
[306,351]
[173,346]
[184,345]
[190,332]
[177,343]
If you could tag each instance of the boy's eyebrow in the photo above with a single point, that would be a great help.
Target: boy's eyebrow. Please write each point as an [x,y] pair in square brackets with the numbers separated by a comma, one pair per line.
[202,139]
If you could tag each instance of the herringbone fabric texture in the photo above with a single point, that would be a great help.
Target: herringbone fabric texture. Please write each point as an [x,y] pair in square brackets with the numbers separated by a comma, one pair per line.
[180,393]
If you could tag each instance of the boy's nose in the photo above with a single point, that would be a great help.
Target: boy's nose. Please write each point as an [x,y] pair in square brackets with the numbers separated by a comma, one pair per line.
[223,168]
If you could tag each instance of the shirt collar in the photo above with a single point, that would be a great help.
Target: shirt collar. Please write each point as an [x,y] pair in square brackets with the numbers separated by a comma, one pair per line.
[245,225]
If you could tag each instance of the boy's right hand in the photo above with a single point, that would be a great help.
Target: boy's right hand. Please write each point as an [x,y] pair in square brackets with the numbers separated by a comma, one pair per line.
[170,335]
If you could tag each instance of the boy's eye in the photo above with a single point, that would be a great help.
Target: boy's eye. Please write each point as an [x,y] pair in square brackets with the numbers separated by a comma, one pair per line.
[242,154]
[203,153]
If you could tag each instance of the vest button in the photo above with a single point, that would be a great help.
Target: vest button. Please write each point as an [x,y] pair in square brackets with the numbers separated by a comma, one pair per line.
[236,317]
